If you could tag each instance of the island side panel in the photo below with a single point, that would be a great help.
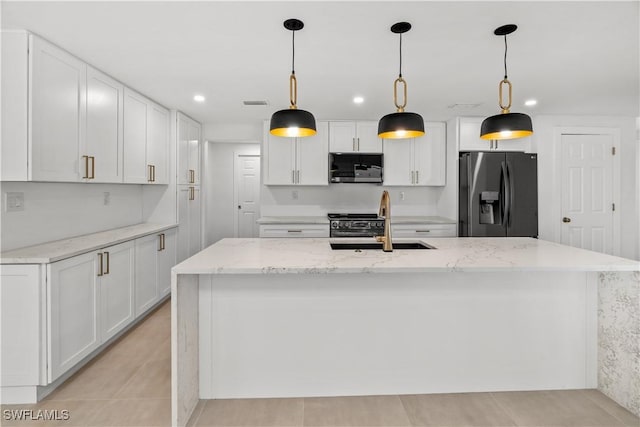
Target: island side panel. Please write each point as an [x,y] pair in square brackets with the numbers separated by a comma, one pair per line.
[184,347]
[619,337]
[292,335]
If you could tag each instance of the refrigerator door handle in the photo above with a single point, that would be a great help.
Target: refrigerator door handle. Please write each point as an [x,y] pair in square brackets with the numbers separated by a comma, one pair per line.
[511,187]
[506,193]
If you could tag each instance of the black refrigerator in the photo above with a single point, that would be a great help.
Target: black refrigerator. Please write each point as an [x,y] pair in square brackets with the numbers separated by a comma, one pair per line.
[498,194]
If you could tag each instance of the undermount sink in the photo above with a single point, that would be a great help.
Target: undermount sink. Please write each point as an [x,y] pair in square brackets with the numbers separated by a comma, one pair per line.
[378,245]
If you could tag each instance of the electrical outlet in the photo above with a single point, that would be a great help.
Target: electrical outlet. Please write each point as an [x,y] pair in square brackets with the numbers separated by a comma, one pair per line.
[294,194]
[107,198]
[13,202]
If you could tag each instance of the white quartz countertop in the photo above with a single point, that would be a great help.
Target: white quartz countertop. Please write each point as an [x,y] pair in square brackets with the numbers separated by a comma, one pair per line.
[61,249]
[325,220]
[462,254]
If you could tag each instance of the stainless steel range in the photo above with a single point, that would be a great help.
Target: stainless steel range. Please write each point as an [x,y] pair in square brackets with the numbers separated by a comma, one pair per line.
[355,225]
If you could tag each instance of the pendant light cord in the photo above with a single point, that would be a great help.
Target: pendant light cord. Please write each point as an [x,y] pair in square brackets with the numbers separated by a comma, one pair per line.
[293,52]
[400,71]
[505,56]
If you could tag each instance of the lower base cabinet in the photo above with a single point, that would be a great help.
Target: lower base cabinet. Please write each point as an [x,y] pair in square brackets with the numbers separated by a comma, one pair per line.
[55,315]
[423,230]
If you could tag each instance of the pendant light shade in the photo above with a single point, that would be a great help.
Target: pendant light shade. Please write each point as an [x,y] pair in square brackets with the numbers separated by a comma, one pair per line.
[506,125]
[293,122]
[400,124]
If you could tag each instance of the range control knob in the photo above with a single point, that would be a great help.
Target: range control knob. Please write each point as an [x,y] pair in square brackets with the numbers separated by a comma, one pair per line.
[334,224]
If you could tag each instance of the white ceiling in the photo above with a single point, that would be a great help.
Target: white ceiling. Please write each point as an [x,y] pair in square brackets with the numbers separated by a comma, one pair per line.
[573,57]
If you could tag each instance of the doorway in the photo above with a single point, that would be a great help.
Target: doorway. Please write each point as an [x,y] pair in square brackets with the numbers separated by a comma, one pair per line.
[247,195]
[589,190]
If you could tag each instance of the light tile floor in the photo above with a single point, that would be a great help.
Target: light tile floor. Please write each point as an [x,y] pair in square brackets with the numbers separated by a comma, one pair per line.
[129,385]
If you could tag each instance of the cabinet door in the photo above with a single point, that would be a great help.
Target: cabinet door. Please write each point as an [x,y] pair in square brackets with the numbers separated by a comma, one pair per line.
[367,137]
[116,288]
[183,148]
[194,153]
[398,162]
[73,330]
[280,160]
[313,158]
[342,137]
[469,135]
[194,221]
[166,260]
[146,289]
[157,143]
[104,127]
[184,194]
[58,98]
[135,138]
[429,155]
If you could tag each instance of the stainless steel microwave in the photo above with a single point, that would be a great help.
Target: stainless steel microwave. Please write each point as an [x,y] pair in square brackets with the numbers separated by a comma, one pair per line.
[355,167]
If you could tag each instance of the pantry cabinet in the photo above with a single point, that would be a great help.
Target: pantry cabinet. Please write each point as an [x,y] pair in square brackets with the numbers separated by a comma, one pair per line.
[189,222]
[297,161]
[166,260]
[188,150]
[468,129]
[146,266]
[349,136]
[417,161]
[145,140]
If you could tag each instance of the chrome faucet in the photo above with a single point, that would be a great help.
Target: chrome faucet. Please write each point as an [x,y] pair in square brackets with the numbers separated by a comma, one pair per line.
[385,212]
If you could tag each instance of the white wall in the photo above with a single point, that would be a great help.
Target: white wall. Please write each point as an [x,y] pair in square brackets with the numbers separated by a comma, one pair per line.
[549,183]
[218,178]
[55,211]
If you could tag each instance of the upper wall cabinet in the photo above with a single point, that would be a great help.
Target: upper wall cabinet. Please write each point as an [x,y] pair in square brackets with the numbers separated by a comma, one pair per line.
[469,138]
[297,161]
[146,142]
[189,132]
[417,161]
[347,137]
[62,120]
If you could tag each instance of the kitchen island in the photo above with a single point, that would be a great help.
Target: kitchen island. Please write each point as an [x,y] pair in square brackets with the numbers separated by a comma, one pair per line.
[291,317]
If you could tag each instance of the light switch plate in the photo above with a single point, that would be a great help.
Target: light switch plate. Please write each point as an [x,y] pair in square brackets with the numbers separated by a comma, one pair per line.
[13,202]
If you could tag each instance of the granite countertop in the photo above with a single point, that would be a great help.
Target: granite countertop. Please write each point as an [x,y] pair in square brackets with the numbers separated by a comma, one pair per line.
[65,248]
[314,256]
[325,220]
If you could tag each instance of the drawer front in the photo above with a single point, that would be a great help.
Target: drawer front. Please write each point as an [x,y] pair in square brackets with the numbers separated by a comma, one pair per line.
[294,230]
[425,230]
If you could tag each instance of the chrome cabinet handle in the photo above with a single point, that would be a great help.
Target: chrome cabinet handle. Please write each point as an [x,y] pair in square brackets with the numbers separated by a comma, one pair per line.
[353,144]
[358,143]
[417,177]
[423,231]
[294,231]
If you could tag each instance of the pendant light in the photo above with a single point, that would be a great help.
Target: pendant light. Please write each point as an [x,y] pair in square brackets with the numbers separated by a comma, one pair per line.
[400,124]
[293,122]
[506,125]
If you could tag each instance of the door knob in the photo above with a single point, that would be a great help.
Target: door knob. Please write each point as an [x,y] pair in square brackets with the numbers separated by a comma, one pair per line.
[565,219]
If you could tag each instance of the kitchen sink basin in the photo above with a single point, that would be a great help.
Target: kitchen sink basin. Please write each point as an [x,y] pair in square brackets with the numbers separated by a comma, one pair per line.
[378,245]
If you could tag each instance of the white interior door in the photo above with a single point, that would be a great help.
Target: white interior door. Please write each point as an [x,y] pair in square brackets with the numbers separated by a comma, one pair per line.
[247,191]
[587,192]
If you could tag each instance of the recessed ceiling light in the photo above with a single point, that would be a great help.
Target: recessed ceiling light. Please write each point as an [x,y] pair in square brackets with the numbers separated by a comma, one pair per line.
[530,102]
[198,98]
[358,100]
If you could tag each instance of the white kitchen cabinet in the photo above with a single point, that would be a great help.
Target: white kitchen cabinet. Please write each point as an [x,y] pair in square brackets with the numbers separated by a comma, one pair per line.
[116,288]
[294,230]
[90,300]
[73,307]
[189,132]
[423,230]
[166,260]
[145,140]
[417,161]
[189,218]
[346,136]
[103,156]
[147,293]
[297,161]
[469,138]
[58,106]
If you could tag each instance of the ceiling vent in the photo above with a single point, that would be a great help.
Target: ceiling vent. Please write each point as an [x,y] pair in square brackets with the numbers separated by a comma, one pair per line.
[462,105]
[255,102]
